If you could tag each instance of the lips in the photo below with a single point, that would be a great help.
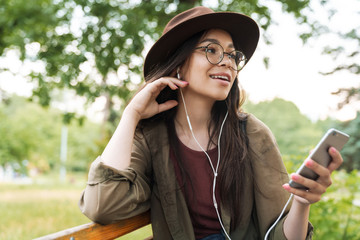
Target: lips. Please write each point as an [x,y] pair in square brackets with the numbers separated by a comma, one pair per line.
[221,76]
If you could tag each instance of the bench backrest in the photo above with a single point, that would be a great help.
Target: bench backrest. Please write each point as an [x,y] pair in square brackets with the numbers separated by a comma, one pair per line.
[103,232]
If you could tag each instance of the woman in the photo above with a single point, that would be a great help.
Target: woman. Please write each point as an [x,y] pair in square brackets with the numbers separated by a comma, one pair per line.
[185,150]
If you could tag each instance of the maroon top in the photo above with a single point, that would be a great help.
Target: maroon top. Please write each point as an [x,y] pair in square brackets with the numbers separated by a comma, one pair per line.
[198,191]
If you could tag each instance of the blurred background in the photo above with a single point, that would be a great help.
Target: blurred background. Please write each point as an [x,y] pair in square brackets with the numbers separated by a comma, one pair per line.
[68,68]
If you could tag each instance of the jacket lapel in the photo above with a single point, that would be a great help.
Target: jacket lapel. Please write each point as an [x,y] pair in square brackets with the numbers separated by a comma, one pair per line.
[165,179]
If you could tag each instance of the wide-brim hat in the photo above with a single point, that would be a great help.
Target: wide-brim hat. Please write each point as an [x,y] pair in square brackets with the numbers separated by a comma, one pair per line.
[243,30]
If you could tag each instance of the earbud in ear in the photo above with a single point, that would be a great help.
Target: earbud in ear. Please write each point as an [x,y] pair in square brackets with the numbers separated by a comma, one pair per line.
[178,73]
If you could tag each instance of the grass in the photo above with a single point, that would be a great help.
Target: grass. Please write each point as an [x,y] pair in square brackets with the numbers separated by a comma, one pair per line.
[45,207]
[49,206]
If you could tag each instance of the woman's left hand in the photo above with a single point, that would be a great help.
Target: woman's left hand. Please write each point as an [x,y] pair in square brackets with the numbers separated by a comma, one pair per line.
[318,187]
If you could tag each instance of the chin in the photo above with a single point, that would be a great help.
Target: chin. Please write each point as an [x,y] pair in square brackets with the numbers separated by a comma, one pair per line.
[221,98]
[224,95]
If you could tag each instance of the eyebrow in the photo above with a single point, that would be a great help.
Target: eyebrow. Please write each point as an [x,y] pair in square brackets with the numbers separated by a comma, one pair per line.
[216,41]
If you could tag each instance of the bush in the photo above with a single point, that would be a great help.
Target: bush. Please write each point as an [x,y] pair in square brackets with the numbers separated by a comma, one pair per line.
[336,216]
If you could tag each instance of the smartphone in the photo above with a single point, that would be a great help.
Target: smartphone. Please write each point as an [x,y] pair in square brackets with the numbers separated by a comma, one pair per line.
[333,138]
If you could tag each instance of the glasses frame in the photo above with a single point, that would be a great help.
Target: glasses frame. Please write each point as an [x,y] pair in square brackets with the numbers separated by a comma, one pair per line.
[222,56]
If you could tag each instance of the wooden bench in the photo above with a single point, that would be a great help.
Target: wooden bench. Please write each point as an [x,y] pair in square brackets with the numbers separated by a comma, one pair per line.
[103,232]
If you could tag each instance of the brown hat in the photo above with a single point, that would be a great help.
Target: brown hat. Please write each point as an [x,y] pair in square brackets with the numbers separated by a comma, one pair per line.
[243,30]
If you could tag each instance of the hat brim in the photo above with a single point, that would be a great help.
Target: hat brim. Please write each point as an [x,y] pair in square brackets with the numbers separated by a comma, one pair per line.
[243,30]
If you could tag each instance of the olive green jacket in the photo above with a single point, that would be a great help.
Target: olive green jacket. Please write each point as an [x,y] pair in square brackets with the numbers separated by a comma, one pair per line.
[150,182]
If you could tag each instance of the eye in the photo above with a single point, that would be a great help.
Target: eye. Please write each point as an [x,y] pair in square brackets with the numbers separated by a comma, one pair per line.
[234,56]
[237,56]
[211,50]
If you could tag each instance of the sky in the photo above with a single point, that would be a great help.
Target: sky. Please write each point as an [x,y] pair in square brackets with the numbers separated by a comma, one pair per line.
[294,67]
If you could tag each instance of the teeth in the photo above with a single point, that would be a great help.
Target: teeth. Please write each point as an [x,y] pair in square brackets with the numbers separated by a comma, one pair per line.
[219,76]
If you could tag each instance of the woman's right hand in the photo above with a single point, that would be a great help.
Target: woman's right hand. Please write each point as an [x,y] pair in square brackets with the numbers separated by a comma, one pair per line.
[117,153]
[144,104]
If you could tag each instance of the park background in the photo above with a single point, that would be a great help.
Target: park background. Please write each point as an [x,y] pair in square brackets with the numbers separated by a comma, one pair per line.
[67,69]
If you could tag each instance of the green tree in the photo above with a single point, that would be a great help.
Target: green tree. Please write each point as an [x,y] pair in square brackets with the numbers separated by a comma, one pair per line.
[96,48]
[336,216]
[30,132]
[351,64]
[295,133]
[351,150]
[345,52]
[343,48]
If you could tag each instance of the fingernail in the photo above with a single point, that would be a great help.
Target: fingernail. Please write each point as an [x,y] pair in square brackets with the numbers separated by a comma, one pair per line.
[286,186]
[309,162]
[333,150]
[294,176]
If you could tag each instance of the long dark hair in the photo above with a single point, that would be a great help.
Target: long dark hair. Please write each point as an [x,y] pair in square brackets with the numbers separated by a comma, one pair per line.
[235,168]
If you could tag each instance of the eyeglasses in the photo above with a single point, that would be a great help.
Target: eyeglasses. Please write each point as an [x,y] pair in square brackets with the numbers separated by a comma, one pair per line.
[215,54]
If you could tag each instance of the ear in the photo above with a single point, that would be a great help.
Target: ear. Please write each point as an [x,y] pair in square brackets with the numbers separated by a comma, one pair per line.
[178,73]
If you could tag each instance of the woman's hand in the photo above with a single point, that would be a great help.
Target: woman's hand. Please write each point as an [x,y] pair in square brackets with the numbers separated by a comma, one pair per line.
[117,153]
[318,187]
[144,104]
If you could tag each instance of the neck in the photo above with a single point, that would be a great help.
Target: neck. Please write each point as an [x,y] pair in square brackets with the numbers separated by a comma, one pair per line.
[199,112]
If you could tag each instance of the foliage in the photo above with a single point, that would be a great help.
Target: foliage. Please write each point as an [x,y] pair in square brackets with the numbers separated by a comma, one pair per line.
[96,48]
[32,133]
[336,216]
[344,49]
[295,133]
[28,133]
[351,150]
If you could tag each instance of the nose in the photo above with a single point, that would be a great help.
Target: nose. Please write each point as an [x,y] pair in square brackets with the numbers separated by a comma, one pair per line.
[226,61]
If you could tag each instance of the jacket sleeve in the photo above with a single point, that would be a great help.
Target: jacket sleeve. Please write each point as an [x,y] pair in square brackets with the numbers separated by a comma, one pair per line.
[111,194]
[269,176]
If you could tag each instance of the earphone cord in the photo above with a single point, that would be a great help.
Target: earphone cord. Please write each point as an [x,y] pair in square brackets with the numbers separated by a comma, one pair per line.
[278,219]
[215,176]
[215,173]
[209,159]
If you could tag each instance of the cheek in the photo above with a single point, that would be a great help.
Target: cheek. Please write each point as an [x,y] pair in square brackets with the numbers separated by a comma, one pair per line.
[234,76]
[199,76]
[196,68]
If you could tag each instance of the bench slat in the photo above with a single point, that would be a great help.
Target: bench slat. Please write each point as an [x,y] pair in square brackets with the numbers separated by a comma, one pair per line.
[103,232]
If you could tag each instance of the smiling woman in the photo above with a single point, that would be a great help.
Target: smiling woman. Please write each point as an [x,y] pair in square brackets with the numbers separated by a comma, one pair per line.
[200,74]
[185,149]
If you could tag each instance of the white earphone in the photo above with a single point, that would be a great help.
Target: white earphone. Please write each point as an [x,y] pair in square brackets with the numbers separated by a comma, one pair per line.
[215,170]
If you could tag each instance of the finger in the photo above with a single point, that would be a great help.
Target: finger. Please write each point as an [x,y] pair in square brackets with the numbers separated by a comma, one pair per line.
[172,80]
[179,83]
[163,82]
[311,197]
[182,83]
[337,160]
[313,186]
[167,105]
[321,171]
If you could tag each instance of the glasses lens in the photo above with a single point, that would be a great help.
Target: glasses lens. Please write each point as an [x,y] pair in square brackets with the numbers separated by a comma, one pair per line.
[238,58]
[214,53]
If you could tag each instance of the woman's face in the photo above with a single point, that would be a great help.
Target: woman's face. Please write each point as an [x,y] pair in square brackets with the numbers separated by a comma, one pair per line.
[205,79]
